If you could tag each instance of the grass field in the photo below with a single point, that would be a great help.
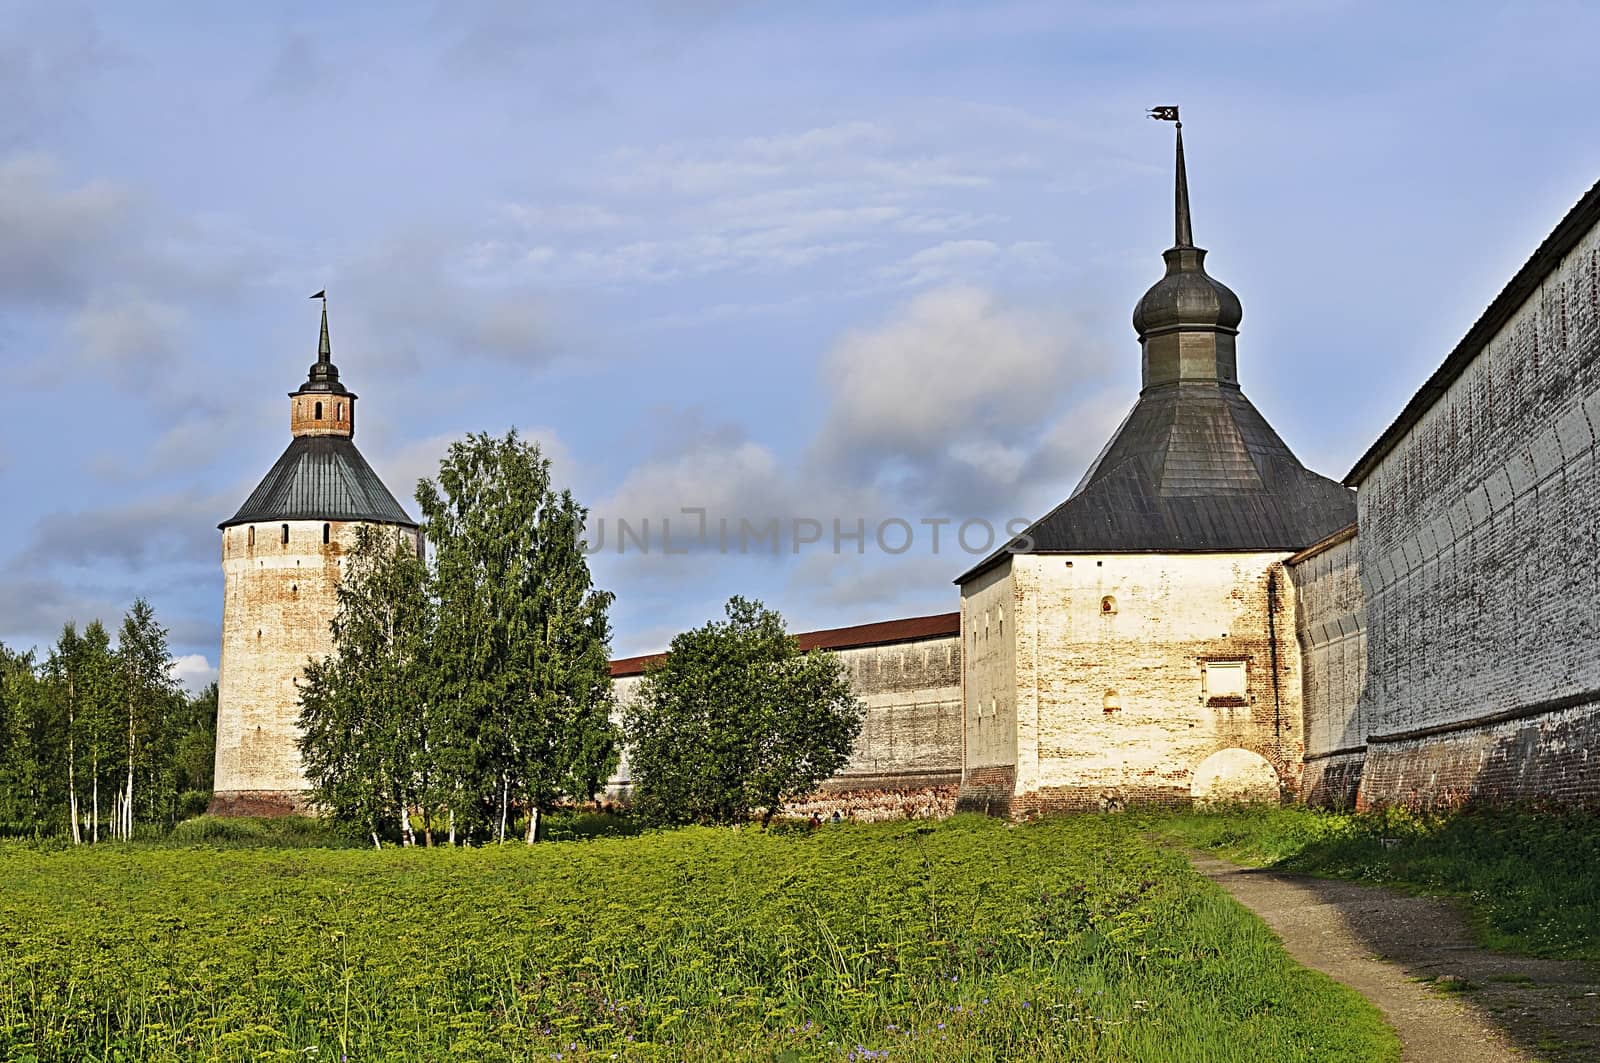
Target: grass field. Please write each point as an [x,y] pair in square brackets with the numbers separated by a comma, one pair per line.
[1529,879]
[1071,939]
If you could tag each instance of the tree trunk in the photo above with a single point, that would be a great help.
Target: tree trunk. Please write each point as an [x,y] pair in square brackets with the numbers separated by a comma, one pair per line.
[94,835]
[376,844]
[126,827]
[533,824]
[505,795]
[72,762]
[452,828]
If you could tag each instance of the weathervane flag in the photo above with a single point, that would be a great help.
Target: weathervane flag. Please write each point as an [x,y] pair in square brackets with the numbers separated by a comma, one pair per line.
[321,295]
[1164,114]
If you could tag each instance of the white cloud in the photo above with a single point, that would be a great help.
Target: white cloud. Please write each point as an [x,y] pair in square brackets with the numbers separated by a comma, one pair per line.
[770,203]
[193,671]
[940,262]
[953,360]
[948,403]
[573,217]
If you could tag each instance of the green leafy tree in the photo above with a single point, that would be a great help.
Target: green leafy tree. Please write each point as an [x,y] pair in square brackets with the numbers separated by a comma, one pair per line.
[100,733]
[522,639]
[367,710]
[737,720]
[194,753]
[146,692]
[29,747]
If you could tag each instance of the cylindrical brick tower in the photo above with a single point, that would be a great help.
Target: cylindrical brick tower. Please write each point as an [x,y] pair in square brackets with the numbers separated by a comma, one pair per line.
[282,554]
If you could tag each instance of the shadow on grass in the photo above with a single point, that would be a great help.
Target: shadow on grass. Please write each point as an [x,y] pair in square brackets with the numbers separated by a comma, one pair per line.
[1520,880]
[1549,1008]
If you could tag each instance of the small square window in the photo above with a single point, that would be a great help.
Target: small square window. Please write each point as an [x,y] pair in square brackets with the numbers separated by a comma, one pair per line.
[1223,679]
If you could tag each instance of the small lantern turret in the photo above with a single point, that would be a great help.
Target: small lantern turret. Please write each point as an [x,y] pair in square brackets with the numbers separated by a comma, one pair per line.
[323,406]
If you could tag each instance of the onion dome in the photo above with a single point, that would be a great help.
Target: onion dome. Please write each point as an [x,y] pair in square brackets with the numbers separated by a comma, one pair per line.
[323,375]
[1187,297]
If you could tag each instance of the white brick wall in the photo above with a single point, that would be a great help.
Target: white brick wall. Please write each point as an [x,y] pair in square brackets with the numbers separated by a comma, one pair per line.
[1480,530]
[1171,612]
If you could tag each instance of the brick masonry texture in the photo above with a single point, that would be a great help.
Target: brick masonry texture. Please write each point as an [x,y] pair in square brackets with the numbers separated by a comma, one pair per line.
[1330,628]
[1480,565]
[1332,782]
[1550,757]
[278,600]
[898,800]
[1089,681]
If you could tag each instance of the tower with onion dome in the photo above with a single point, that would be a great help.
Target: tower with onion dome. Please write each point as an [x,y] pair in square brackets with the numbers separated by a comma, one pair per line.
[282,555]
[1137,642]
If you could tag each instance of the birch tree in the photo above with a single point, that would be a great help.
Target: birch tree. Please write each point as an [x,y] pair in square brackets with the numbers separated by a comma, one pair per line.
[522,637]
[95,679]
[366,710]
[146,691]
[62,671]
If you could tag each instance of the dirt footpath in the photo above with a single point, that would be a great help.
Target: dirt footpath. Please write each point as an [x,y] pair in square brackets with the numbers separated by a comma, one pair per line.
[1414,958]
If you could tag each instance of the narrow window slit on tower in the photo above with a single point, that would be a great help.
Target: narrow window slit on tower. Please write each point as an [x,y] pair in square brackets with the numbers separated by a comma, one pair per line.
[325,533]
[251,538]
[319,411]
[285,538]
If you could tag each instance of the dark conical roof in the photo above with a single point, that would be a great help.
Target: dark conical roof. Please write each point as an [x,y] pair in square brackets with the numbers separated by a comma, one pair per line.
[321,478]
[1194,468]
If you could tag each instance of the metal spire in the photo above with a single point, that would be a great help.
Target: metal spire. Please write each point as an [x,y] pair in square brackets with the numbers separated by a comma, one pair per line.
[324,349]
[324,375]
[1184,231]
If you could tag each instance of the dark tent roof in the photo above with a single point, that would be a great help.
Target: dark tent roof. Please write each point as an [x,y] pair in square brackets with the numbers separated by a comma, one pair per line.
[1194,468]
[321,478]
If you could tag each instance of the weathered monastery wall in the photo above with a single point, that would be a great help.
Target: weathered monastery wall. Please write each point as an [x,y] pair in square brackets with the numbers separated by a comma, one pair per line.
[1480,560]
[278,599]
[911,736]
[907,760]
[1137,677]
[1330,618]
[994,701]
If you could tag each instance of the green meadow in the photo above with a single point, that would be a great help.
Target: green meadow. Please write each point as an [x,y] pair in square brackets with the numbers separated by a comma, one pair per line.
[1076,938]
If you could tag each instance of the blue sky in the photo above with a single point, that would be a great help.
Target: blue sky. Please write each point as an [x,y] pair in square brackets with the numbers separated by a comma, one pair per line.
[797,261]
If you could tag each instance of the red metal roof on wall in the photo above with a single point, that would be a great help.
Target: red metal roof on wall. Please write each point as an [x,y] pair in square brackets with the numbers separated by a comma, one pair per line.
[835,638]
